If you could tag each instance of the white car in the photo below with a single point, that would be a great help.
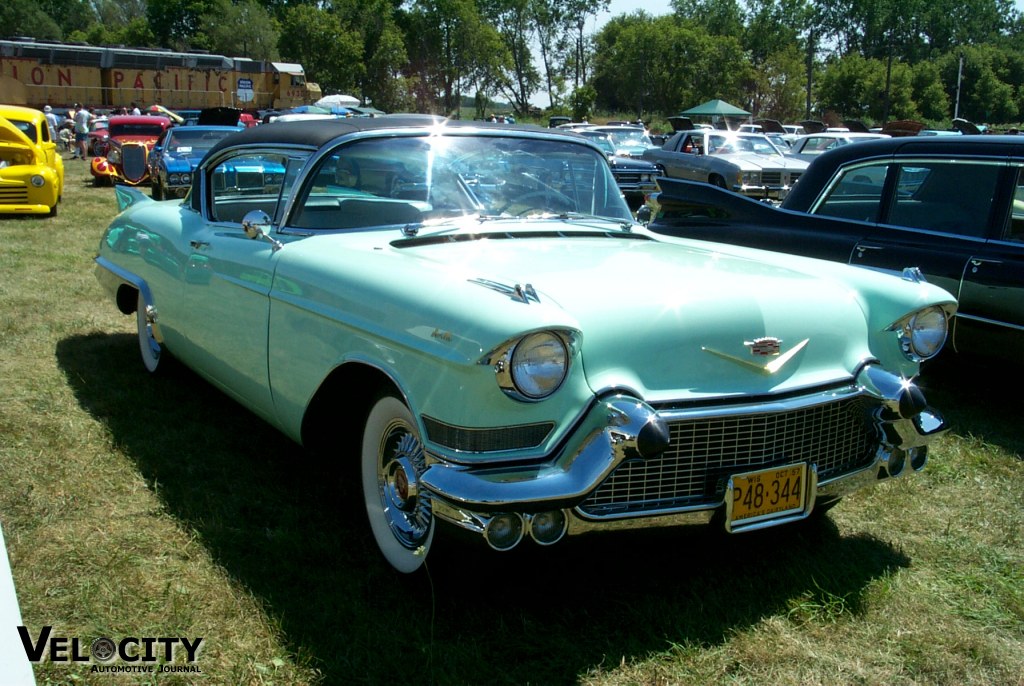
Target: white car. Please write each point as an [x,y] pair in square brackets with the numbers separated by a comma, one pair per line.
[810,146]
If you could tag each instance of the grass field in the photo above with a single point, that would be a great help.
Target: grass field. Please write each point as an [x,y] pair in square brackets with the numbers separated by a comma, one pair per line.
[156,507]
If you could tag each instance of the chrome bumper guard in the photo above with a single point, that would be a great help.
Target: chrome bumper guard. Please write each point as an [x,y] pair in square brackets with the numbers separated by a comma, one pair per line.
[621,428]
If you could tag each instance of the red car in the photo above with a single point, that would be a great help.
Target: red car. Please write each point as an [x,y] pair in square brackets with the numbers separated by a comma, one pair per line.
[131,137]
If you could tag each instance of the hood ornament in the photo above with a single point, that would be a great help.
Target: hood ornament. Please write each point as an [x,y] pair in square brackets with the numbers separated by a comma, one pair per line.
[766,346]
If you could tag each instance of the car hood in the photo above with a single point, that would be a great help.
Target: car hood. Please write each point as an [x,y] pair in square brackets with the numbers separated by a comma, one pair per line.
[749,160]
[665,320]
[186,161]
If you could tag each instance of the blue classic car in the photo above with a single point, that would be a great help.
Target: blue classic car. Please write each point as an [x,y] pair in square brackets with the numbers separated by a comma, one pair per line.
[177,154]
[468,315]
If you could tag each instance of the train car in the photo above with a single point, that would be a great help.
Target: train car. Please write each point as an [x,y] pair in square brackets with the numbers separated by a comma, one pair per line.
[38,73]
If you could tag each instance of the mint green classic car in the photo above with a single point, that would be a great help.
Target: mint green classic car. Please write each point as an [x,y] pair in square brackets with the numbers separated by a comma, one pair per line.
[470,314]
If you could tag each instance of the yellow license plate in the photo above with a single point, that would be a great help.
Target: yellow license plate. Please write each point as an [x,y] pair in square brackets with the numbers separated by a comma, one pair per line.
[769,492]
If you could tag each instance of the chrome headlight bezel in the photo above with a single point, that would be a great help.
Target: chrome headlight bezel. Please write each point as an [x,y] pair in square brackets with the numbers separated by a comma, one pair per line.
[750,178]
[114,155]
[532,367]
[922,334]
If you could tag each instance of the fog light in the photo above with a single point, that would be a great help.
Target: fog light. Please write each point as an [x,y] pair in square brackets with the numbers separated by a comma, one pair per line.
[918,458]
[504,531]
[547,528]
[897,461]
[37,181]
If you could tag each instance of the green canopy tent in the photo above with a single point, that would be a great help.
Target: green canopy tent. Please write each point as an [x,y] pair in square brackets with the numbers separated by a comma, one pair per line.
[719,110]
[715,108]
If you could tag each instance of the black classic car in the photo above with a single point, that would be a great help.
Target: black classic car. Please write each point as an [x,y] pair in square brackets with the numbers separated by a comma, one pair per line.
[951,206]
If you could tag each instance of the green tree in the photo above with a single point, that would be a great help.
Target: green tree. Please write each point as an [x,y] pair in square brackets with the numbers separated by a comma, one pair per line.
[178,24]
[331,54]
[243,28]
[514,21]
[26,18]
[716,17]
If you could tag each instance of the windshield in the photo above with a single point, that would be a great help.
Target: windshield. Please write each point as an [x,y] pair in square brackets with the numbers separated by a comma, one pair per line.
[419,180]
[184,140]
[26,127]
[630,138]
[151,130]
[724,145]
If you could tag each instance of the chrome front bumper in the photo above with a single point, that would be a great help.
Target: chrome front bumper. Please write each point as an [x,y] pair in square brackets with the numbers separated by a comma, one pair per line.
[623,429]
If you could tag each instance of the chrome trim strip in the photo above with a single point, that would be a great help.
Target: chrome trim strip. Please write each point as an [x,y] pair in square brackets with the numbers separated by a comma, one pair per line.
[985,320]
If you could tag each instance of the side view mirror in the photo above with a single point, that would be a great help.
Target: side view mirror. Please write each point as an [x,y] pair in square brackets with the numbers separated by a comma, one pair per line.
[643,215]
[256,224]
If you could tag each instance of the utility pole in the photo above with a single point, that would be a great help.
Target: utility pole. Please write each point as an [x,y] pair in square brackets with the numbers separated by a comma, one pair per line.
[959,77]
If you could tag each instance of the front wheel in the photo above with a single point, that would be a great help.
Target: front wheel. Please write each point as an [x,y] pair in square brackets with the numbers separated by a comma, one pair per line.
[392,461]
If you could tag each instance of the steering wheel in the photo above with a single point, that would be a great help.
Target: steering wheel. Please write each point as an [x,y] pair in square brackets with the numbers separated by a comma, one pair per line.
[541,200]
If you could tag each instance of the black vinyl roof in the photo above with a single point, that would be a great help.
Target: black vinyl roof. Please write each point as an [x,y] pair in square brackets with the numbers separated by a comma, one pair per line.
[824,165]
[317,132]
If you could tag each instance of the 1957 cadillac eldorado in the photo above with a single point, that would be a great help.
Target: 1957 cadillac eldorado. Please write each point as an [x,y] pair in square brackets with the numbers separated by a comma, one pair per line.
[469,313]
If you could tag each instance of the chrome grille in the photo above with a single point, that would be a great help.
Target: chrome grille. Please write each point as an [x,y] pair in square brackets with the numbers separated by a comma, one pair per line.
[486,440]
[793,177]
[133,161]
[627,177]
[771,178]
[838,437]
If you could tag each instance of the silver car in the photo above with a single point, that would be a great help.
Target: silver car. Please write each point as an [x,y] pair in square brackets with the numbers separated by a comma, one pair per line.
[746,163]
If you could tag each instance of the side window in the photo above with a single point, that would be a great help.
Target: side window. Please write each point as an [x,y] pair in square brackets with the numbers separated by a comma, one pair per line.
[362,185]
[857,194]
[953,198]
[240,184]
[1014,230]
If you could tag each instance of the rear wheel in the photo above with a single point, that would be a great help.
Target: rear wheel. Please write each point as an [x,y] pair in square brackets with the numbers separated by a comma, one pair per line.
[392,461]
[149,347]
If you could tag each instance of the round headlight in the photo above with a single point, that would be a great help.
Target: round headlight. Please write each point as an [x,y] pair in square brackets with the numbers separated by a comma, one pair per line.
[114,156]
[186,179]
[925,333]
[539,364]
[37,181]
[173,179]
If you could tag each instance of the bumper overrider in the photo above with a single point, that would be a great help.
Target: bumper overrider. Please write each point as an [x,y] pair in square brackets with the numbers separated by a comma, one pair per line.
[630,465]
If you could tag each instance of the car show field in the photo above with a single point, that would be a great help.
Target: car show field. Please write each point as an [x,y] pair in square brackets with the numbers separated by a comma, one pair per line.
[159,507]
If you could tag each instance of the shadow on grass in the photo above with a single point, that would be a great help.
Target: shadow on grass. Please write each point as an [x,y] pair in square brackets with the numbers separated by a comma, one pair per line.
[291,531]
[977,398]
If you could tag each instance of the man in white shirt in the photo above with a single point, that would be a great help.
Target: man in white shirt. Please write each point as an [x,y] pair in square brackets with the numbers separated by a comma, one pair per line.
[82,119]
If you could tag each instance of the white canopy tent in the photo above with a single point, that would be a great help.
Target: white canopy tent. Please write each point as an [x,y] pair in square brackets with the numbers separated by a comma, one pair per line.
[338,100]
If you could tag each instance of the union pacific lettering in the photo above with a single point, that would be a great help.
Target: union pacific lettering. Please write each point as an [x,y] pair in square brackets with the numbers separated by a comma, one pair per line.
[173,79]
[38,74]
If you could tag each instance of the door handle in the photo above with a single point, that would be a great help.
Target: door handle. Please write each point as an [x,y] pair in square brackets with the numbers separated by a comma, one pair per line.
[199,245]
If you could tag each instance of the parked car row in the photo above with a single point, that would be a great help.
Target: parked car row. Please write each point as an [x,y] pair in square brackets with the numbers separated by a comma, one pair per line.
[952,207]
[468,314]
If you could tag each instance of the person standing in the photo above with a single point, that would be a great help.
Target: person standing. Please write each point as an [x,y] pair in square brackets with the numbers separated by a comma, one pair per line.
[82,118]
[135,109]
[51,122]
